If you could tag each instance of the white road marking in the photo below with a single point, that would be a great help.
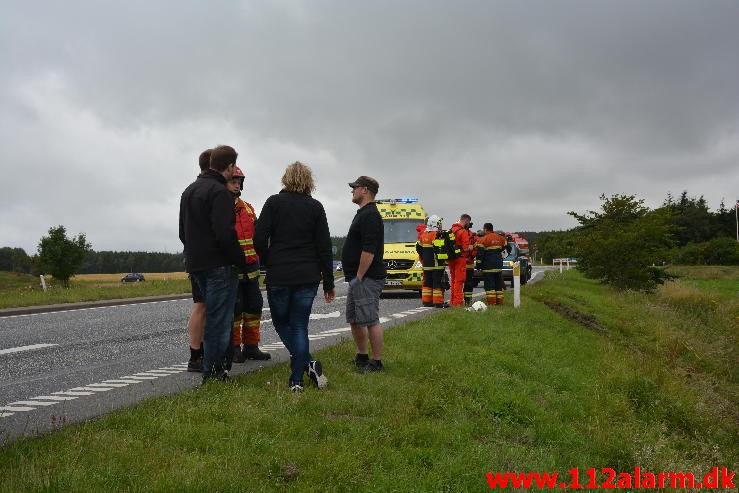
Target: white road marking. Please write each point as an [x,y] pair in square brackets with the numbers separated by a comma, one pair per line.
[33,403]
[94,308]
[124,381]
[94,389]
[17,408]
[25,348]
[319,316]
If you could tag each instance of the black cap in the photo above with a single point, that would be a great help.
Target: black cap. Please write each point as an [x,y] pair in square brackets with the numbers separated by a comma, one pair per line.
[366,181]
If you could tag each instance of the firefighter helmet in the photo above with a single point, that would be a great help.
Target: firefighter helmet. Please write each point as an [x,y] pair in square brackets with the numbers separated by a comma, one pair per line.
[434,222]
[240,175]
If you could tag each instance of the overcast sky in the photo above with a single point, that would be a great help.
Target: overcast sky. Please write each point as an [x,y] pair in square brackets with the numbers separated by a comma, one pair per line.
[512,111]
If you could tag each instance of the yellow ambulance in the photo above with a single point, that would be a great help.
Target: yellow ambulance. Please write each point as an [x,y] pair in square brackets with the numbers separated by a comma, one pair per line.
[401,217]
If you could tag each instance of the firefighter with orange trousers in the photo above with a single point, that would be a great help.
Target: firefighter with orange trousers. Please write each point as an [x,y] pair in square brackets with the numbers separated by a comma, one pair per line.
[249,303]
[432,294]
[490,259]
[458,266]
[469,279]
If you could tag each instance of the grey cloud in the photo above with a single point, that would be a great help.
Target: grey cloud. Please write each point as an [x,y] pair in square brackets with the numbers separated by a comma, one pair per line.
[458,103]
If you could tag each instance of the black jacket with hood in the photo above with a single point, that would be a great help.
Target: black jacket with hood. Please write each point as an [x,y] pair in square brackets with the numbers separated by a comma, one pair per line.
[207,225]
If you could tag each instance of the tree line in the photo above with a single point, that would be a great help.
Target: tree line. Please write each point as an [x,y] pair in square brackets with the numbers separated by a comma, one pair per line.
[56,249]
[624,243]
[616,244]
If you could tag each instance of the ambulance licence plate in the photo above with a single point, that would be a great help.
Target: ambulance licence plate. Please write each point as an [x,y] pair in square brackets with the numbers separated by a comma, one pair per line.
[393,283]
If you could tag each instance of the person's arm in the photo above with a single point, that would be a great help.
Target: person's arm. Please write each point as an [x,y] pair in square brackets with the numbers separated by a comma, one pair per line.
[182,219]
[365,260]
[262,232]
[323,248]
[371,227]
[223,222]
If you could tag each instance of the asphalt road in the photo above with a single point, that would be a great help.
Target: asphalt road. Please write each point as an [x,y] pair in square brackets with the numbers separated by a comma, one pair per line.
[69,366]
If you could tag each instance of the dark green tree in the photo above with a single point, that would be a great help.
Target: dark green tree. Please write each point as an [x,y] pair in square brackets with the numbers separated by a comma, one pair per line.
[553,244]
[61,256]
[621,243]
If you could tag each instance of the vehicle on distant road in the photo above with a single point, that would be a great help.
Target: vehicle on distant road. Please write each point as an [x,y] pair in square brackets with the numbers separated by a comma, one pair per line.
[133,277]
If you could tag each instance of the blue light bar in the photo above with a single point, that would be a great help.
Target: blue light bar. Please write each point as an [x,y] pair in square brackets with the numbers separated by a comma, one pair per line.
[407,200]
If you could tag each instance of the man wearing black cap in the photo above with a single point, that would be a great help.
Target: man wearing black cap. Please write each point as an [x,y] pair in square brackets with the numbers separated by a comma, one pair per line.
[365,272]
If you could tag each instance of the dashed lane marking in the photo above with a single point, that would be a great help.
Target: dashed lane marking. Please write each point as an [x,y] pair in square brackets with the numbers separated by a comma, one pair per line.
[25,348]
[16,408]
[124,381]
[53,398]
[33,403]
[93,308]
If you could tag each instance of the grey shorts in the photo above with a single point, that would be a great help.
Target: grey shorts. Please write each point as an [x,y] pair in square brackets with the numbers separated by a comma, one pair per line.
[363,301]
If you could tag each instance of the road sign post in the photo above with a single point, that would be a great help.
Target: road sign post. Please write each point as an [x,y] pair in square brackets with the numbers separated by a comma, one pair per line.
[517,284]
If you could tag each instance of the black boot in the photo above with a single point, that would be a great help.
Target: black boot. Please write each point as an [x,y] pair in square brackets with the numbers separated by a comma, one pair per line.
[252,351]
[238,355]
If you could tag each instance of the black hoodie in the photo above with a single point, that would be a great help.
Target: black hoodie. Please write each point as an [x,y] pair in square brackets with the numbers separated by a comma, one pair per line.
[207,225]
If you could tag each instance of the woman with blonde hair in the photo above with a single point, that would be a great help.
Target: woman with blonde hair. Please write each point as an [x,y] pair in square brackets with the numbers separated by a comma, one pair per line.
[293,241]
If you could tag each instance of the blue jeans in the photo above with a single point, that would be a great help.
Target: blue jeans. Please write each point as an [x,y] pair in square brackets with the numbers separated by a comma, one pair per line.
[290,307]
[218,287]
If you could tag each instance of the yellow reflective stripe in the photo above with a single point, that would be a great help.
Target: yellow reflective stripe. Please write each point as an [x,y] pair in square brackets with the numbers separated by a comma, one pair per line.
[248,241]
[250,252]
[494,247]
[492,270]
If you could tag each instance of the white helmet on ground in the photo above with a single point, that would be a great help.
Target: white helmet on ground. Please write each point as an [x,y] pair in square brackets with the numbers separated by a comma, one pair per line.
[478,306]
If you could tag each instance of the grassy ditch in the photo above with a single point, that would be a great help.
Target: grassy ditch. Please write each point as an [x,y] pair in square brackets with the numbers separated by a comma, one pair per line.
[579,376]
[24,290]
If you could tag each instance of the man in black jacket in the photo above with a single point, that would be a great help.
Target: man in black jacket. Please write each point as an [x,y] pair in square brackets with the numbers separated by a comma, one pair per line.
[213,256]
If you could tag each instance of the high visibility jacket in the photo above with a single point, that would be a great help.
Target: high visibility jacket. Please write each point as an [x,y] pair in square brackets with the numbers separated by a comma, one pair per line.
[463,237]
[472,253]
[427,252]
[489,249]
[245,223]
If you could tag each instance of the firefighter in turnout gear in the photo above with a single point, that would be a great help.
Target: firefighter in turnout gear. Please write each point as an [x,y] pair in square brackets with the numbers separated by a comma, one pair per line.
[489,256]
[432,293]
[469,280]
[248,309]
[458,266]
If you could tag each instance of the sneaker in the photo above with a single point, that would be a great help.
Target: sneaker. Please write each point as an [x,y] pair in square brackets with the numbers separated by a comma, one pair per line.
[315,372]
[296,387]
[220,377]
[195,365]
[372,367]
[238,355]
[252,351]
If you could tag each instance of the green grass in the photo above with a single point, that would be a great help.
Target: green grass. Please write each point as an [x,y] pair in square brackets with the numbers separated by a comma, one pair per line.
[18,290]
[647,380]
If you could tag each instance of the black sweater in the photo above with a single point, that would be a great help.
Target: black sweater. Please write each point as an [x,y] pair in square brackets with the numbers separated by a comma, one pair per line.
[207,225]
[293,241]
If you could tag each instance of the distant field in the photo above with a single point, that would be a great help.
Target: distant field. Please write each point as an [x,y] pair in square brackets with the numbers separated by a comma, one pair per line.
[150,276]
[18,290]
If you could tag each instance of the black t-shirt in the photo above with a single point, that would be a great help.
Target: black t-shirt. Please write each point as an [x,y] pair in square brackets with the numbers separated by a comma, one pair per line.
[366,234]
